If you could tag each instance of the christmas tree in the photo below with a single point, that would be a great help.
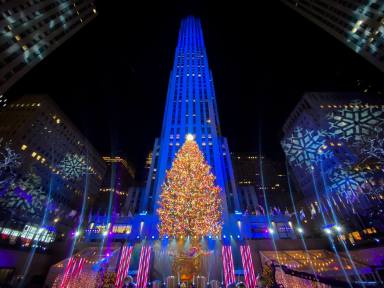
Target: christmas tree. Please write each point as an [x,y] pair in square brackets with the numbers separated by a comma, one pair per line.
[190,202]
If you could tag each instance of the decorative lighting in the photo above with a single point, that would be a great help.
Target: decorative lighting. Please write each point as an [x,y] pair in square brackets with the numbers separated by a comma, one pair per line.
[189,137]
[328,231]
[338,228]
[300,230]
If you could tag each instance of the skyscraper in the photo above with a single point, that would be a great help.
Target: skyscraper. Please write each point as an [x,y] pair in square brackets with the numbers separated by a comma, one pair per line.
[33,29]
[333,144]
[358,24]
[118,179]
[53,155]
[191,109]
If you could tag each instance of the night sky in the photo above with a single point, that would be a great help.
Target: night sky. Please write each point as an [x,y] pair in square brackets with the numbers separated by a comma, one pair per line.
[111,77]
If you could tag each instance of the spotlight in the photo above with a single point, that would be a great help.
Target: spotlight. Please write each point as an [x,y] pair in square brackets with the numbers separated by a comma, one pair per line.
[224,236]
[153,237]
[238,236]
[338,228]
[77,233]
[105,233]
[328,231]
[271,231]
[300,230]
[138,237]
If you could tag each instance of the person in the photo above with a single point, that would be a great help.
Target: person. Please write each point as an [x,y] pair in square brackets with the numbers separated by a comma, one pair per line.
[128,282]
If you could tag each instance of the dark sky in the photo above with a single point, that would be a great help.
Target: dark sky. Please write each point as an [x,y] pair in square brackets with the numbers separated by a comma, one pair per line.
[111,77]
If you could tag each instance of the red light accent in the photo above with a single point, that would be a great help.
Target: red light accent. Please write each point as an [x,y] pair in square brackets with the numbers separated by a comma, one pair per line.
[229,270]
[72,270]
[249,273]
[122,271]
[142,274]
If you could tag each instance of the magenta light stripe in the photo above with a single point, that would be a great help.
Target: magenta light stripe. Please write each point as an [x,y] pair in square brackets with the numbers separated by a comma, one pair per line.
[251,268]
[147,265]
[141,263]
[127,261]
[119,270]
[66,272]
[249,272]
[125,267]
[245,266]
[123,262]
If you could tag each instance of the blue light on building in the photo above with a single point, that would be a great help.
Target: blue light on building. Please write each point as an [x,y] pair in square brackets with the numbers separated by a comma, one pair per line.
[191,109]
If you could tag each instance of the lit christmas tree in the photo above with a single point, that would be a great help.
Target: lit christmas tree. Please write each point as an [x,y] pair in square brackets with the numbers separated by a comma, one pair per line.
[190,202]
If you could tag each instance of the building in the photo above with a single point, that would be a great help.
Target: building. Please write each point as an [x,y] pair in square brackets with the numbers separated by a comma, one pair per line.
[52,160]
[358,24]
[191,109]
[116,187]
[3,101]
[253,183]
[333,143]
[31,30]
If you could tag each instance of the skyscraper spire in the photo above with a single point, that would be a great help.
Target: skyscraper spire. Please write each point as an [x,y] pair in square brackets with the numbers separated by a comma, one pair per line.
[191,109]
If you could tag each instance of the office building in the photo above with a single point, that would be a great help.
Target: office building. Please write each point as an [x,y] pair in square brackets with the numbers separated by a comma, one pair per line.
[333,143]
[31,30]
[254,183]
[116,187]
[191,109]
[358,24]
[49,158]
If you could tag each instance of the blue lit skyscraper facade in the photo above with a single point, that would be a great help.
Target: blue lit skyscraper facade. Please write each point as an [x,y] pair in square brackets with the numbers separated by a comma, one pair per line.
[191,109]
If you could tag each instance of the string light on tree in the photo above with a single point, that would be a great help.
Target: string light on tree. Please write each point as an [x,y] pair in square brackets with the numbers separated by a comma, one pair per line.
[190,203]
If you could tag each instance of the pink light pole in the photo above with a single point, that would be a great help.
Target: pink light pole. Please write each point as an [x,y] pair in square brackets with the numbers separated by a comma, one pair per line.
[249,273]
[142,274]
[122,271]
[229,270]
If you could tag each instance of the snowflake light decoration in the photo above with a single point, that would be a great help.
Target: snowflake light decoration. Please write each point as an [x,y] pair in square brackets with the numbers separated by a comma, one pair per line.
[372,148]
[347,183]
[73,166]
[305,147]
[26,194]
[356,121]
[9,162]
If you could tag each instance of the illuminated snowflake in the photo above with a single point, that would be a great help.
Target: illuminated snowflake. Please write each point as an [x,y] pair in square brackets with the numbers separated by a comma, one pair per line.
[73,166]
[356,121]
[347,183]
[25,194]
[305,147]
[372,148]
[9,162]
